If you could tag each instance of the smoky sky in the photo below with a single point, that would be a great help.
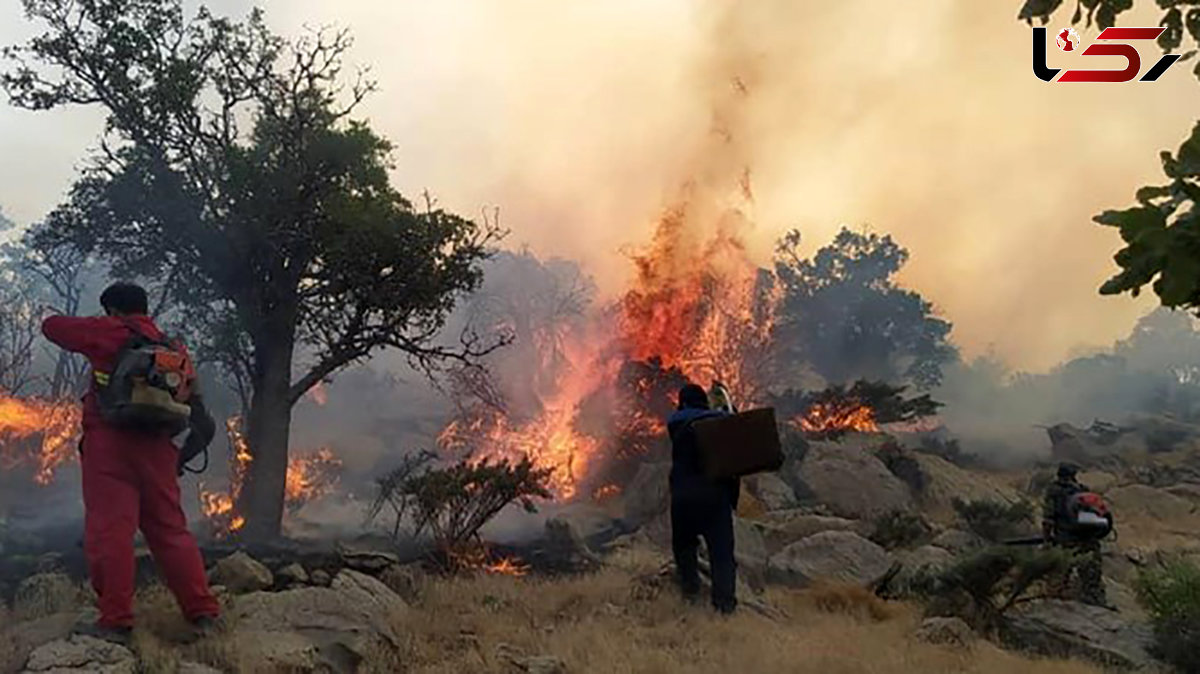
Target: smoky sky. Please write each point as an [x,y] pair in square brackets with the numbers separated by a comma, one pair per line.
[580,120]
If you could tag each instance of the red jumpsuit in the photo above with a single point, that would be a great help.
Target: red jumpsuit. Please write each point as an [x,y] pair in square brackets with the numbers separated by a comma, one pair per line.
[129,482]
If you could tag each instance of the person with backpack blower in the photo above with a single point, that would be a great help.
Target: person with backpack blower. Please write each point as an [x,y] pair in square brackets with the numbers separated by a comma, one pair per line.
[1075,518]
[142,394]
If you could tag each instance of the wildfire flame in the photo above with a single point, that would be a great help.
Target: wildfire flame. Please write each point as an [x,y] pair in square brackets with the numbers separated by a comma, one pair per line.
[696,303]
[22,419]
[836,417]
[309,477]
[508,566]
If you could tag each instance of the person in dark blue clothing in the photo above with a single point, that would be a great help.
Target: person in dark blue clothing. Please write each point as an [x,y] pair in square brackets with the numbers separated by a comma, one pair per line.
[700,507]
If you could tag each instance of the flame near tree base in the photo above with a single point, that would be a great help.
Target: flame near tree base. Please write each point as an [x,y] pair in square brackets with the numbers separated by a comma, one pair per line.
[309,477]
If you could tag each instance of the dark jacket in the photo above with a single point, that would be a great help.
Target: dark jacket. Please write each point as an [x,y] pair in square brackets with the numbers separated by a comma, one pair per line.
[687,473]
[1055,516]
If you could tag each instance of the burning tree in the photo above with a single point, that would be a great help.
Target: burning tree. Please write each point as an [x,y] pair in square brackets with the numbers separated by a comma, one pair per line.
[231,173]
[863,407]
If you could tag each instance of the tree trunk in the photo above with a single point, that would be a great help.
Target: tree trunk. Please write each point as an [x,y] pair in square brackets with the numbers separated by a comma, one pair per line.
[267,431]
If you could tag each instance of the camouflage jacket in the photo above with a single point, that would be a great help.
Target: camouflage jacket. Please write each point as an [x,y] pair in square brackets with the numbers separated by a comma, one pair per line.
[1054,506]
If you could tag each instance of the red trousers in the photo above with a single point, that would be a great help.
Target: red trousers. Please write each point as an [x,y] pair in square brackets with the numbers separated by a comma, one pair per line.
[130,482]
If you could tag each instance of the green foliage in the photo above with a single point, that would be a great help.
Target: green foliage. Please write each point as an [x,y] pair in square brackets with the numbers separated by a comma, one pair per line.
[1161,233]
[1172,596]
[982,587]
[453,503]
[900,529]
[995,521]
[843,315]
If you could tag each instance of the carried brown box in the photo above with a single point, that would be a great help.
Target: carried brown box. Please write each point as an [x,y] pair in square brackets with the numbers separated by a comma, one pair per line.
[740,444]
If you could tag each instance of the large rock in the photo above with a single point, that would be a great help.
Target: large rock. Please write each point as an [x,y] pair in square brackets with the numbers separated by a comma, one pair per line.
[82,655]
[329,629]
[771,491]
[45,594]
[919,565]
[750,551]
[240,573]
[780,531]
[22,638]
[1073,630]
[852,481]
[945,632]
[1156,504]
[648,496]
[831,556]
[944,482]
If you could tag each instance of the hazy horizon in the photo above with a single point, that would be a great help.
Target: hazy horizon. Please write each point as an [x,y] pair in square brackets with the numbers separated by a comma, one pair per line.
[923,121]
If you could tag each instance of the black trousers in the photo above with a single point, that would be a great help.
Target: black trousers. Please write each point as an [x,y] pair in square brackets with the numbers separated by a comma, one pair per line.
[708,516]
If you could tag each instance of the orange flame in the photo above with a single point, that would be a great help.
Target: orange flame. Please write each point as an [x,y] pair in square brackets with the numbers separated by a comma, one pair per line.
[831,417]
[309,477]
[58,423]
[507,566]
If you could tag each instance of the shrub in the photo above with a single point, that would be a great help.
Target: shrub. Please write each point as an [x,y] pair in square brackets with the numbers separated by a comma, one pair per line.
[1172,596]
[900,529]
[995,521]
[980,588]
[453,503]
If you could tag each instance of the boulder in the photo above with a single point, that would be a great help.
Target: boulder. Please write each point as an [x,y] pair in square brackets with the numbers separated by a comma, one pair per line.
[943,483]
[831,556]
[405,580]
[750,551]
[370,590]
[946,632]
[332,628]
[45,594]
[82,655]
[275,651]
[22,638]
[1156,504]
[648,496]
[593,523]
[1189,491]
[240,573]
[565,542]
[771,491]
[780,532]
[292,575]
[852,481]
[361,557]
[320,577]
[1067,629]
[919,564]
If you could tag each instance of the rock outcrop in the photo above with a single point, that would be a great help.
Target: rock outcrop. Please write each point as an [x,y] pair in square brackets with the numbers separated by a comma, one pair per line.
[830,556]
[852,481]
[240,573]
[1070,629]
[81,655]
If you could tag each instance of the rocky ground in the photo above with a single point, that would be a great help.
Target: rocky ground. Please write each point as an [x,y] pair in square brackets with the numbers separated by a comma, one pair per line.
[599,598]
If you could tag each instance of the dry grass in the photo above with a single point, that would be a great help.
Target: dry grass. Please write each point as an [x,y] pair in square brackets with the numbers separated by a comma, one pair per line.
[624,618]
[595,623]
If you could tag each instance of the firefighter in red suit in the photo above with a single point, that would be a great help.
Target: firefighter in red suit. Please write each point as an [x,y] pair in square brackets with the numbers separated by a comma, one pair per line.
[130,482]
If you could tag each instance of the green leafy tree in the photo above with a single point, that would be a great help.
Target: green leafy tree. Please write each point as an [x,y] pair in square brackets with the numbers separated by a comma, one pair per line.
[1162,232]
[843,314]
[233,175]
